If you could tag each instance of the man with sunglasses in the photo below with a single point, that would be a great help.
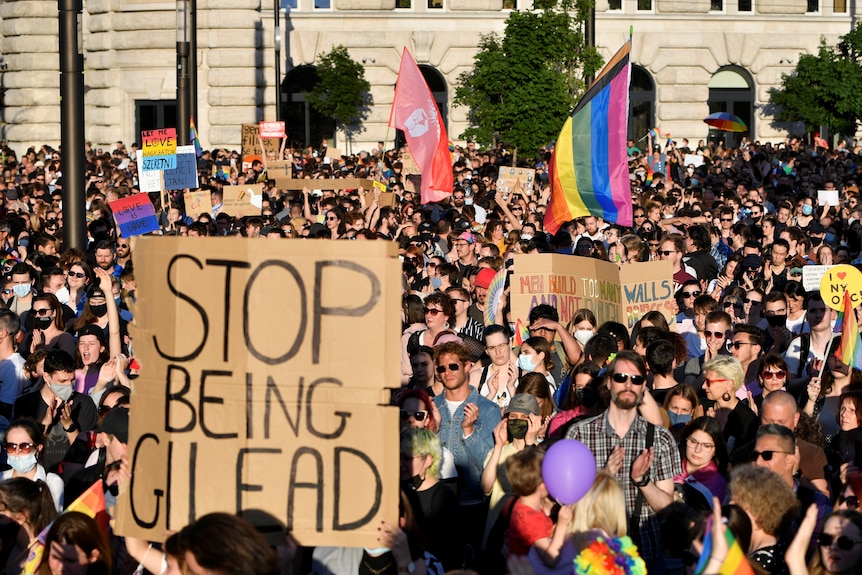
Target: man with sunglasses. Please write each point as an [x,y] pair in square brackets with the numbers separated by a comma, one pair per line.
[643,457]
[467,422]
[672,249]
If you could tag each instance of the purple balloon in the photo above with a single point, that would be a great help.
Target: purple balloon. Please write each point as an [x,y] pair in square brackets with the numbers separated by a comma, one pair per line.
[568,470]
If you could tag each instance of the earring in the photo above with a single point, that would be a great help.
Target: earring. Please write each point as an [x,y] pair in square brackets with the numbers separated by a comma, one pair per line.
[725,396]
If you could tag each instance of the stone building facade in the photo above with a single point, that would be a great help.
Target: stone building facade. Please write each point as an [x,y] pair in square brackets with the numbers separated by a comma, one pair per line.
[692,57]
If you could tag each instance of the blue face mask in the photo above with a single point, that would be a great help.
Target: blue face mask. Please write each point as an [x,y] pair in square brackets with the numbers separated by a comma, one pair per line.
[436,282]
[526,362]
[807,210]
[678,419]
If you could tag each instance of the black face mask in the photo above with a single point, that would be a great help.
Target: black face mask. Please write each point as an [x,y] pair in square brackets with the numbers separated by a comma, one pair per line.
[413,483]
[518,428]
[776,320]
[43,322]
[99,310]
[816,241]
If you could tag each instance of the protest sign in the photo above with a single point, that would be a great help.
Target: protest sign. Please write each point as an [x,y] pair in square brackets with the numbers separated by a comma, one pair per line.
[250,146]
[334,153]
[409,167]
[570,283]
[135,215]
[326,184]
[185,175]
[837,280]
[159,149]
[263,388]
[695,160]
[811,276]
[647,286]
[515,181]
[241,201]
[271,129]
[828,197]
[280,171]
[148,181]
[197,202]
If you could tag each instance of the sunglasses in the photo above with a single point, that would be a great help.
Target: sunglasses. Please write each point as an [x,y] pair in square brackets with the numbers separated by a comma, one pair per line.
[639,216]
[780,374]
[715,334]
[727,219]
[711,382]
[499,348]
[417,415]
[122,245]
[79,275]
[457,197]
[738,344]
[624,377]
[766,455]
[851,501]
[450,367]
[652,245]
[751,301]
[42,312]
[844,542]
[24,448]
[667,252]
[432,311]
[331,219]
[729,304]
[691,294]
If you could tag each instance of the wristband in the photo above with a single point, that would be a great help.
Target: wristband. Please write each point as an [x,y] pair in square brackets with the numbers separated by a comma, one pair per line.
[642,483]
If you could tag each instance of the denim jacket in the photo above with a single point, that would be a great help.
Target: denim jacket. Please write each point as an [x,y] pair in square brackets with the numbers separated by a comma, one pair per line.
[469,452]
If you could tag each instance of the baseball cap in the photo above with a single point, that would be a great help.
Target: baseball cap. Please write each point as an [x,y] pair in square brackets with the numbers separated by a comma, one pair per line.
[751,262]
[523,403]
[116,423]
[816,228]
[484,277]
[92,329]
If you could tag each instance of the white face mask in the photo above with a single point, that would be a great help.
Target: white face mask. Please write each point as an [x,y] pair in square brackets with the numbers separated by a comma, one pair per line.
[583,336]
[22,463]
[63,295]
[64,392]
[526,362]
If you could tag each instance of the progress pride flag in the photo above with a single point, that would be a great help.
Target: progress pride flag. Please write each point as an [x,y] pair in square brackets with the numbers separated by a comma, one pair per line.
[415,112]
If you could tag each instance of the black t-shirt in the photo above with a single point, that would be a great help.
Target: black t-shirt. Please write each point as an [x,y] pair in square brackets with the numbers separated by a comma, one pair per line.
[438,516]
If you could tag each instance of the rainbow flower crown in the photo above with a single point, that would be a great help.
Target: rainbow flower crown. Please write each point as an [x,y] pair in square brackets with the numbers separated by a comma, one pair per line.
[615,556]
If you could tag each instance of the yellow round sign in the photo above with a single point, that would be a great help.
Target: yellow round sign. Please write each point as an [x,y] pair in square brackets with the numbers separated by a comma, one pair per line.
[839,279]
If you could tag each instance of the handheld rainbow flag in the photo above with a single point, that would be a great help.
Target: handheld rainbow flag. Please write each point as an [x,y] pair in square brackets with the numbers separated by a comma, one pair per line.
[850,349]
[649,174]
[193,133]
[589,168]
[735,562]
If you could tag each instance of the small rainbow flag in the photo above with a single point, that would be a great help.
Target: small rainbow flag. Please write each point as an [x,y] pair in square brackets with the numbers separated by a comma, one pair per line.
[655,133]
[649,174]
[193,136]
[521,332]
[850,349]
[589,168]
[734,563]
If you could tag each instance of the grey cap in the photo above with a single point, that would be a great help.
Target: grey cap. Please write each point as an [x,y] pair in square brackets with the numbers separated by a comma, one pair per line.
[523,403]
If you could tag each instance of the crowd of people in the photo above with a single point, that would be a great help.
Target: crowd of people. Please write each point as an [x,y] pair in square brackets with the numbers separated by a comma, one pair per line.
[731,408]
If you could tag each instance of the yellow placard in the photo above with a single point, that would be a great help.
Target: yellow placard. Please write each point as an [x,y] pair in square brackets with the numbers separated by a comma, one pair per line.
[837,280]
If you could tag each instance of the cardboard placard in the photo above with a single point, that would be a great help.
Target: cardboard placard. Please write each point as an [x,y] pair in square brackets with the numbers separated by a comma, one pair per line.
[283,422]
[333,153]
[695,160]
[828,196]
[515,181]
[271,129]
[327,184]
[280,171]
[159,149]
[150,180]
[250,147]
[409,167]
[196,203]
[135,215]
[241,201]
[185,175]
[837,280]
[811,276]
[570,283]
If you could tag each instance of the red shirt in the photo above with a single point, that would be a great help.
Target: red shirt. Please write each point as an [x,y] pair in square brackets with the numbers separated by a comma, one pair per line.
[526,526]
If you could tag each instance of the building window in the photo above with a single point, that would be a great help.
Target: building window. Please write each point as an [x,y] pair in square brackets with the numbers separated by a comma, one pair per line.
[744,6]
[731,90]
[813,6]
[289,4]
[305,126]
[716,5]
[403,4]
[439,91]
[644,4]
[839,6]
[510,5]
[615,5]
[435,4]
[155,114]
[642,103]
[322,4]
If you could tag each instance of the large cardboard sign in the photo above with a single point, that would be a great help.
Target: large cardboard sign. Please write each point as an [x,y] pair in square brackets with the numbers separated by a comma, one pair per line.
[159,149]
[262,389]
[135,215]
[326,184]
[837,280]
[811,276]
[570,283]
[250,147]
[185,175]
[409,167]
[512,181]
[241,201]
[197,202]
[150,180]
[280,171]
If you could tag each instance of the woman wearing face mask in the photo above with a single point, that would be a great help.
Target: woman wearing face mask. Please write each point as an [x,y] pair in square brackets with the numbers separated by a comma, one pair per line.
[581,399]
[804,212]
[682,405]
[47,332]
[583,326]
[23,445]
[536,356]
[518,429]
[704,463]
[102,312]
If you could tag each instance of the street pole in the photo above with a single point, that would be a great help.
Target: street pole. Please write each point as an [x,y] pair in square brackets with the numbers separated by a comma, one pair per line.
[183,81]
[72,123]
[193,59]
[277,8]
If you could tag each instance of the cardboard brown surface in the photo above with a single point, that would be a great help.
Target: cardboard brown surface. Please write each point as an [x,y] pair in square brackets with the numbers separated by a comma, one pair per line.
[327,184]
[569,283]
[250,147]
[515,181]
[264,367]
[241,201]
[197,203]
[280,171]
[409,167]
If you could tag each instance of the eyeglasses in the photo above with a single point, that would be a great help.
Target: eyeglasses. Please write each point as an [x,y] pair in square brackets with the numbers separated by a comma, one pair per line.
[767,455]
[122,245]
[751,301]
[691,294]
[413,261]
[715,334]
[417,415]
[517,209]
[851,501]
[727,219]
[844,542]
[432,311]
[42,312]
[79,275]
[738,344]
[667,252]
[460,300]
[711,382]
[24,448]
[654,245]
[639,216]
[500,348]
[695,444]
[780,374]
[7,291]
[457,197]
[332,219]
[450,367]
[624,377]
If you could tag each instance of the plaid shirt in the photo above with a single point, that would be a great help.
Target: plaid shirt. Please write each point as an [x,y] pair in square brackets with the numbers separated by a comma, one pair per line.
[597,434]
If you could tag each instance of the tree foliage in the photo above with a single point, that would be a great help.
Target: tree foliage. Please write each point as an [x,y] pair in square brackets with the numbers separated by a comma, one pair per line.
[523,86]
[825,89]
[341,91]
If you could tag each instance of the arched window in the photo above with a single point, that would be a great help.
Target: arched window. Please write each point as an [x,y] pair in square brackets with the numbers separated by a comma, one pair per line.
[731,90]
[304,126]
[439,91]
[641,103]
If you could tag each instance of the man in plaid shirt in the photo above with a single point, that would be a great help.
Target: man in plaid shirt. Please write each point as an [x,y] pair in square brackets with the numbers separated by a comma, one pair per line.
[619,438]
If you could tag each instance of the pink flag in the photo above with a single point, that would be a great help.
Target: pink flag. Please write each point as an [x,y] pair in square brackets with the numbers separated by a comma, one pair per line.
[415,112]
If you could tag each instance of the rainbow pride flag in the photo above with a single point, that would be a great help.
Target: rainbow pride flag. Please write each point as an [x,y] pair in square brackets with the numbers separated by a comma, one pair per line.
[649,174]
[193,136]
[850,349]
[589,168]
[735,562]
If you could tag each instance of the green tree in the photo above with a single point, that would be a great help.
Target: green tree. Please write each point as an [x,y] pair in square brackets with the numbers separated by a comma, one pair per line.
[523,86]
[341,92]
[825,89]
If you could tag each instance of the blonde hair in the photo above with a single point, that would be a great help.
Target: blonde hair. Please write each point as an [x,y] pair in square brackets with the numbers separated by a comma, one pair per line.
[727,367]
[603,507]
[422,442]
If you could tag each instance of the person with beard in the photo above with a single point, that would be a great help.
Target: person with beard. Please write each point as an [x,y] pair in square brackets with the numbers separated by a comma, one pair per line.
[643,457]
